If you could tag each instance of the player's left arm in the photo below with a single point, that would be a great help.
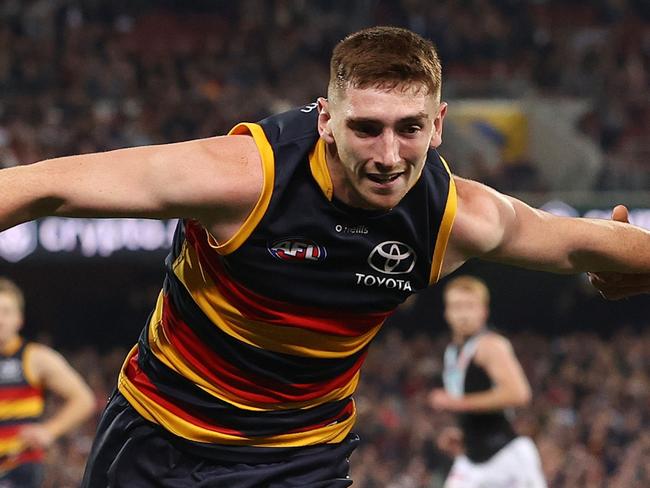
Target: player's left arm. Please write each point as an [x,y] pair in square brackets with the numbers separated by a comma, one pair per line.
[510,388]
[500,228]
[55,375]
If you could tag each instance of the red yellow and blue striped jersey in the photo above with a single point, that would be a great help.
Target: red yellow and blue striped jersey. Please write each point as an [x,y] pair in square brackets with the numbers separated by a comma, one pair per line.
[21,403]
[259,341]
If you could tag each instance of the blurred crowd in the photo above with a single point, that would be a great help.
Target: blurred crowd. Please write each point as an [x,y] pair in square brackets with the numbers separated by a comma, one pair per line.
[80,76]
[92,75]
[589,415]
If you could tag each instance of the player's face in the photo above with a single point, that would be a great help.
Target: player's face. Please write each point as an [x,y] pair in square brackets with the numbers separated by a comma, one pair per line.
[465,311]
[11,317]
[378,141]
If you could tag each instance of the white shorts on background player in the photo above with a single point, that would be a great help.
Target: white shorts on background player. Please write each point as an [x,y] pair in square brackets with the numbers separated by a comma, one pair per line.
[516,465]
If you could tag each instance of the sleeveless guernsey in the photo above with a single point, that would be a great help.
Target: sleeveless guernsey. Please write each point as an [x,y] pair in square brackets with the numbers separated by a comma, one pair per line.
[484,433]
[258,341]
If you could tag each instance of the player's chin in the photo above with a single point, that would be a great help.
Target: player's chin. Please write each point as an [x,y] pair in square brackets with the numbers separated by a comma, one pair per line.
[383,202]
[384,198]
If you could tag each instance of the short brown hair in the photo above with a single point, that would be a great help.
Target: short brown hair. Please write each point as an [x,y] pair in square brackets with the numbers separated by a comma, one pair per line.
[384,57]
[9,287]
[469,283]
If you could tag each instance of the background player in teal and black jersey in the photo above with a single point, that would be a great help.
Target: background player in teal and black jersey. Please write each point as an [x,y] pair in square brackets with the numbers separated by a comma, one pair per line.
[483,381]
[298,236]
[27,371]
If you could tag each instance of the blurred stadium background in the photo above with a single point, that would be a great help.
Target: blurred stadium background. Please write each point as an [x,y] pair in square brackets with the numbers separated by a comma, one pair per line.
[549,100]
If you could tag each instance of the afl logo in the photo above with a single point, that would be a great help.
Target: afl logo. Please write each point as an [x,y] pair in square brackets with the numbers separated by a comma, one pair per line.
[392,257]
[297,249]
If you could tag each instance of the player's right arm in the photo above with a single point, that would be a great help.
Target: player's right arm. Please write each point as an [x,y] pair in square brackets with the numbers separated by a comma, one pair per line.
[216,180]
[55,375]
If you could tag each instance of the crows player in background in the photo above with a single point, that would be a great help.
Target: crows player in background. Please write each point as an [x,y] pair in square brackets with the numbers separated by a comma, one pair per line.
[27,371]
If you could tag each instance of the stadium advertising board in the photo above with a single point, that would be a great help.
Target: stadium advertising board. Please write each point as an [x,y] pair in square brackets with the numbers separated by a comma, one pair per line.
[55,237]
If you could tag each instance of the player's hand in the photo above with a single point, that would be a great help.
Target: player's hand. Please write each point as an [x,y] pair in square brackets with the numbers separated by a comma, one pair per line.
[36,436]
[439,399]
[614,286]
[450,441]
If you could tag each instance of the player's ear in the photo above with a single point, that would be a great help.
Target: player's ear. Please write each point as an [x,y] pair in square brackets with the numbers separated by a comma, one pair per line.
[436,138]
[324,121]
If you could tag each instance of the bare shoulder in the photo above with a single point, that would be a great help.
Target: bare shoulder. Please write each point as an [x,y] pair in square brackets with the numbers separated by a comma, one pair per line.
[42,361]
[40,355]
[222,172]
[492,345]
[230,154]
[494,340]
[471,193]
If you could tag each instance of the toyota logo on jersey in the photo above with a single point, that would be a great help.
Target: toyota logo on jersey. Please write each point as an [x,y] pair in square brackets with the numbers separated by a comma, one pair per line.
[297,249]
[392,257]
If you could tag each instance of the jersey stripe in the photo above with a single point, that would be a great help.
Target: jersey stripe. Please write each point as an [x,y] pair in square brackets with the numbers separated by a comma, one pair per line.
[229,306]
[274,365]
[240,383]
[318,166]
[21,408]
[180,421]
[253,422]
[445,228]
[163,349]
[18,392]
[200,260]
[268,172]
[21,403]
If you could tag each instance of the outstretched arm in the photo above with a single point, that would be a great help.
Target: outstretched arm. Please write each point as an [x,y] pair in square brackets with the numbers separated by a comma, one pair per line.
[510,387]
[212,179]
[496,227]
[55,375]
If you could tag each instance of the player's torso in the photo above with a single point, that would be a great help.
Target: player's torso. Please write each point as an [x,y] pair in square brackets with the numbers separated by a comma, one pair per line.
[21,403]
[485,433]
[258,341]
[313,250]
[23,399]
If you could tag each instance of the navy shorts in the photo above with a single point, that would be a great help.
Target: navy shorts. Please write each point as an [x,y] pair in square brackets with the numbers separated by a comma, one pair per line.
[131,452]
[28,475]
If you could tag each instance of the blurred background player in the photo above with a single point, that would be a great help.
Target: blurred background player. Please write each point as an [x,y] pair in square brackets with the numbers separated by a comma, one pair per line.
[482,379]
[27,371]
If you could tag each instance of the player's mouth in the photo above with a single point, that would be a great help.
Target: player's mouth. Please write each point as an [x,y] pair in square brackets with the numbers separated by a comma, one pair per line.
[384,179]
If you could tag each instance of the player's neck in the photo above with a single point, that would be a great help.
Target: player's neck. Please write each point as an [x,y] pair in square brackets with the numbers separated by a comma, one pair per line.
[460,338]
[10,344]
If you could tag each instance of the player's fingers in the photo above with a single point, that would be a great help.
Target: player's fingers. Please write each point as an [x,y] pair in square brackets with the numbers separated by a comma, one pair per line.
[621,214]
